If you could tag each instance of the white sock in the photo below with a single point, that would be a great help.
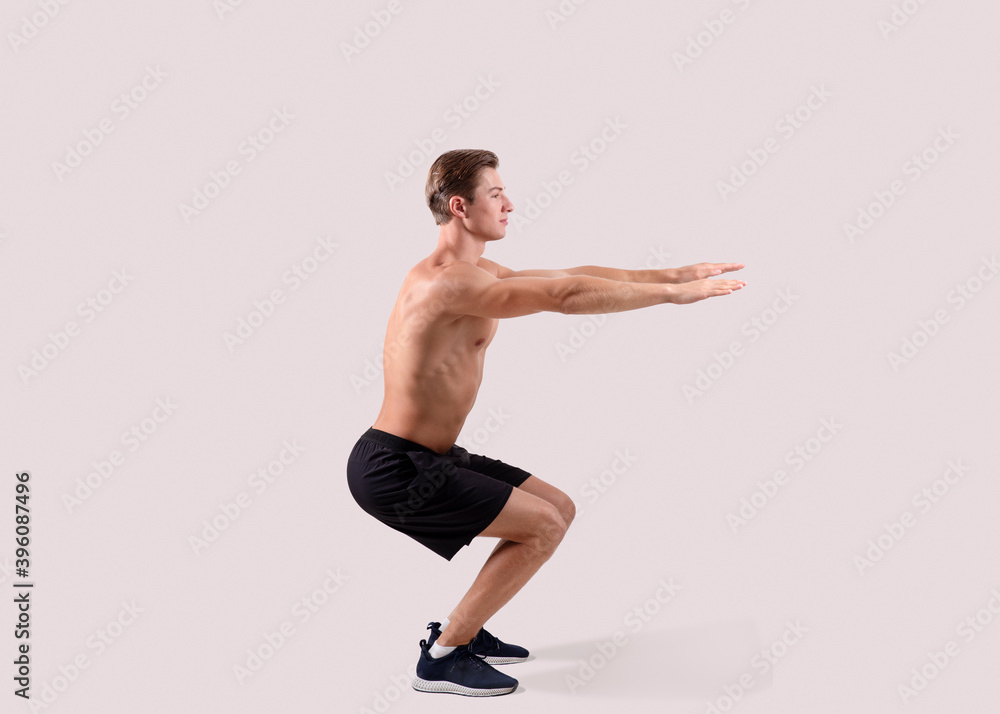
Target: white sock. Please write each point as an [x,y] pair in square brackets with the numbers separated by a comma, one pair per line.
[437,650]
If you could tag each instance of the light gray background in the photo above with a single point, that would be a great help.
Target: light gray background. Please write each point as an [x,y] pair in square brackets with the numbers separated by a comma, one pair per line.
[654,188]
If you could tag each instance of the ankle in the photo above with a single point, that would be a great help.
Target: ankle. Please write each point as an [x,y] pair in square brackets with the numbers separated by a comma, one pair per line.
[453,636]
[447,639]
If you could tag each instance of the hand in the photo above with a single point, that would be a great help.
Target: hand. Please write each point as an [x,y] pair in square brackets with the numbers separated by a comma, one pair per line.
[695,290]
[700,271]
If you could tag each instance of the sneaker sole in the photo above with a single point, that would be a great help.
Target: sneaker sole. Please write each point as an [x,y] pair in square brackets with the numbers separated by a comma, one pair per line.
[502,660]
[425,685]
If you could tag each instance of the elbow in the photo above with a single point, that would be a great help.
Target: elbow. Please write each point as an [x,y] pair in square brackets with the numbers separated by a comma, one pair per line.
[562,296]
[559,302]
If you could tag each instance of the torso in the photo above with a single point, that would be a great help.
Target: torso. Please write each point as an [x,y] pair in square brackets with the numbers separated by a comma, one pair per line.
[433,365]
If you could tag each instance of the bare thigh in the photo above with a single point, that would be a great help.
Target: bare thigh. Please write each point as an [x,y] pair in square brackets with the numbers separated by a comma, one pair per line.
[529,514]
[536,487]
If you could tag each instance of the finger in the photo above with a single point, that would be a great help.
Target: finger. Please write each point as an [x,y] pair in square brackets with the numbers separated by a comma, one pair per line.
[730,284]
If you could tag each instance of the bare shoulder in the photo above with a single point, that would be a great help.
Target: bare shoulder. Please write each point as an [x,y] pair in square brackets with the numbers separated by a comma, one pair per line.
[435,279]
[489,266]
[459,273]
[456,270]
[495,269]
[453,285]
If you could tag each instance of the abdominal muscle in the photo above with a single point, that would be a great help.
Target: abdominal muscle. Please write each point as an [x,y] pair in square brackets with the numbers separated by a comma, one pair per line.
[432,368]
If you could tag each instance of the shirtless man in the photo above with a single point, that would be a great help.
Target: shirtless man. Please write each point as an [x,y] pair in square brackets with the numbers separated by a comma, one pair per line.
[407,471]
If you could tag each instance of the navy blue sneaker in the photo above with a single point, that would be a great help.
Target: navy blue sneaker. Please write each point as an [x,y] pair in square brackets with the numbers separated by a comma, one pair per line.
[459,672]
[494,651]
[485,645]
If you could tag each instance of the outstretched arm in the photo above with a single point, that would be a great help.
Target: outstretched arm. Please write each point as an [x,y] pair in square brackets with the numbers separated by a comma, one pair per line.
[686,274]
[463,289]
[699,271]
[591,294]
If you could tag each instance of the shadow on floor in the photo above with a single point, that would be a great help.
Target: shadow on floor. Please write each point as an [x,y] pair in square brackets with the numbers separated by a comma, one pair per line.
[691,662]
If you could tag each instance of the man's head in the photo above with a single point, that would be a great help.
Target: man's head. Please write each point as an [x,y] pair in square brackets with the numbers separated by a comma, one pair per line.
[465,183]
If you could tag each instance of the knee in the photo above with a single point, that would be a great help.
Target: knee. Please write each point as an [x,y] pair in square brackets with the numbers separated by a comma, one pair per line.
[567,509]
[550,527]
[564,504]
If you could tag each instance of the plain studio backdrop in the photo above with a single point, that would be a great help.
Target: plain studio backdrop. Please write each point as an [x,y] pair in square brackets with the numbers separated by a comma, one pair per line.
[787,495]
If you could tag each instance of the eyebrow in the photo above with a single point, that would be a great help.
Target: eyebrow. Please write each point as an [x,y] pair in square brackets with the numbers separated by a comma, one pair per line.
[498,188]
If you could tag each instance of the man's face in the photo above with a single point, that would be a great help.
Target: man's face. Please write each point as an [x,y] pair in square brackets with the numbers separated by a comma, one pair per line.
[487,216]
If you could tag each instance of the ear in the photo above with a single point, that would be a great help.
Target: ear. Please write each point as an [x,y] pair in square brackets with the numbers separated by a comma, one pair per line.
[456,204]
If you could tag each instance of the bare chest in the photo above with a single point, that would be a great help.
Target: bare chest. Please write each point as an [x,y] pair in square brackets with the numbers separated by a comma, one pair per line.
[476,332]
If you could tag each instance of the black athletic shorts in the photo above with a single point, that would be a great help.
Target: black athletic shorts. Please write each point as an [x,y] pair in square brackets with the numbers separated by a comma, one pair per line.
[440,500]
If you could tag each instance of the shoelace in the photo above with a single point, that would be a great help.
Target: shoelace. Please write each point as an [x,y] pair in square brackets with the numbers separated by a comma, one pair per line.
[463,652]
[459,653]
[490,641]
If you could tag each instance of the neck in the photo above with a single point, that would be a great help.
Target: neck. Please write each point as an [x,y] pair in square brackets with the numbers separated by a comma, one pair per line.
[456,243]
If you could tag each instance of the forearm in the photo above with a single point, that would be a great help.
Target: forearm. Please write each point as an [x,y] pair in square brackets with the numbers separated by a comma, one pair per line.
[661,275]
[588,294]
